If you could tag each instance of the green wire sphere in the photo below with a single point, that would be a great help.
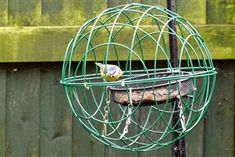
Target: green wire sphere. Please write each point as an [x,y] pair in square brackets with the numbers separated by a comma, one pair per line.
[137,111]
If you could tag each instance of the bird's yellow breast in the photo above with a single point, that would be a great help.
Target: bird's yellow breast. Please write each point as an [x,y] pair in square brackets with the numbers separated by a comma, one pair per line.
[109,78]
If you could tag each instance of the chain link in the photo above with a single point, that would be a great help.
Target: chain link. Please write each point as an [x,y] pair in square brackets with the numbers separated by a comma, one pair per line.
[106,113]
[128,120]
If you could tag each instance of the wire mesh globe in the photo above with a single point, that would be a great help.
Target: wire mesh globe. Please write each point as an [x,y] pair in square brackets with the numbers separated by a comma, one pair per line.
[135,112]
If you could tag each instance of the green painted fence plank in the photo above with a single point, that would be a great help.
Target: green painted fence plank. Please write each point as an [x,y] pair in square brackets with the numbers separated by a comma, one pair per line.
[24,13]
[165,151]
[22,118]
[193,10]
[219,122]
[2,111]
[147,21]
[116,114]
[3,12]
[30,44]
[24,43]
[76,12]
[55,116]
[195,141]
[154,2]
[85,10]
[221,11]
[57,12]
[34,98]
[83,143]
[220,40]
[111,152]
[113,3]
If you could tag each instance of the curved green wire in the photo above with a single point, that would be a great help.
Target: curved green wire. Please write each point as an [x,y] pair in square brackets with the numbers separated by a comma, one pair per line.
[153,130]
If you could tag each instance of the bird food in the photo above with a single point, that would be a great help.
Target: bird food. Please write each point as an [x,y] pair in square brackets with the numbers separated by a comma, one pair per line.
[134,67]
[153,93]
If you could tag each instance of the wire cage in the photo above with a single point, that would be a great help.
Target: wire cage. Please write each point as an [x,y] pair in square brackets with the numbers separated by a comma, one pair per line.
[135,112]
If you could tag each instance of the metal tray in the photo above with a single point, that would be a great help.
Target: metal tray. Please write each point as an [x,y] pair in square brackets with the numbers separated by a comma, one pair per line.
[150,93]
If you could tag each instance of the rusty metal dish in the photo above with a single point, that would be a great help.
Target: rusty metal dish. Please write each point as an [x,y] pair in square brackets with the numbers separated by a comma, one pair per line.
[149,93]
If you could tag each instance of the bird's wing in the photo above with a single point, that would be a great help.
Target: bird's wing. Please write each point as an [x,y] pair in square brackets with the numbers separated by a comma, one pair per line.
[112,70]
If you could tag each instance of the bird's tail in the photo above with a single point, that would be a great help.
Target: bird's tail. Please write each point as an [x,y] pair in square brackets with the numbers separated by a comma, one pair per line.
[99,64]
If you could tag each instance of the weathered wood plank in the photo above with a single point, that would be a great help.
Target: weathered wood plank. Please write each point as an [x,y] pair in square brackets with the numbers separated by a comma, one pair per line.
[148,20]
[116,114]
[195,141]
[57,12]
[119,153]
[34,43]
[83,143]
[220,11]
[55,116]
[220,40]
[3,81]
[154,2]
[22,118]
[24,13]
[113,3]
[192,10]
[85,10]
[163,152]
[49,43]
[219,122]
[3,12]
[22,122]
[159,126]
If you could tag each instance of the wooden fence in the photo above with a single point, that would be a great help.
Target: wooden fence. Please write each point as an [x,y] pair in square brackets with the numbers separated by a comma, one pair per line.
[34,117]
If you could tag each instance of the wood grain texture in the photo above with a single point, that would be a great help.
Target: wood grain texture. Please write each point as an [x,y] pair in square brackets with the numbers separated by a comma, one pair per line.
[220,11]
[24,13]
[88,9]
[219,40]
[35,120]
[23,44]
[3,81]
[55,116]
[35,44]
[113,3]
[219,128]
[83,143]
[3,12]
[22,111]
[132,129]
[38,121]
[159,126]
[195,140]
[193,10]
[154,2]
[76,12]
[57,12]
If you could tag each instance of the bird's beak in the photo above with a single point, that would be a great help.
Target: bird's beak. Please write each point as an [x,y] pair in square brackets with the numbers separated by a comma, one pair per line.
[99,64]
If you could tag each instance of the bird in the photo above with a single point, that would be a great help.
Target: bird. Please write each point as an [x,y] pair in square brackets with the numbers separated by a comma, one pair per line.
[110,72]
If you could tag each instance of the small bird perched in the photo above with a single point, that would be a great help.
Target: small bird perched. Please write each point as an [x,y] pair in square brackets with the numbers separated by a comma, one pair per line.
[110,72]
